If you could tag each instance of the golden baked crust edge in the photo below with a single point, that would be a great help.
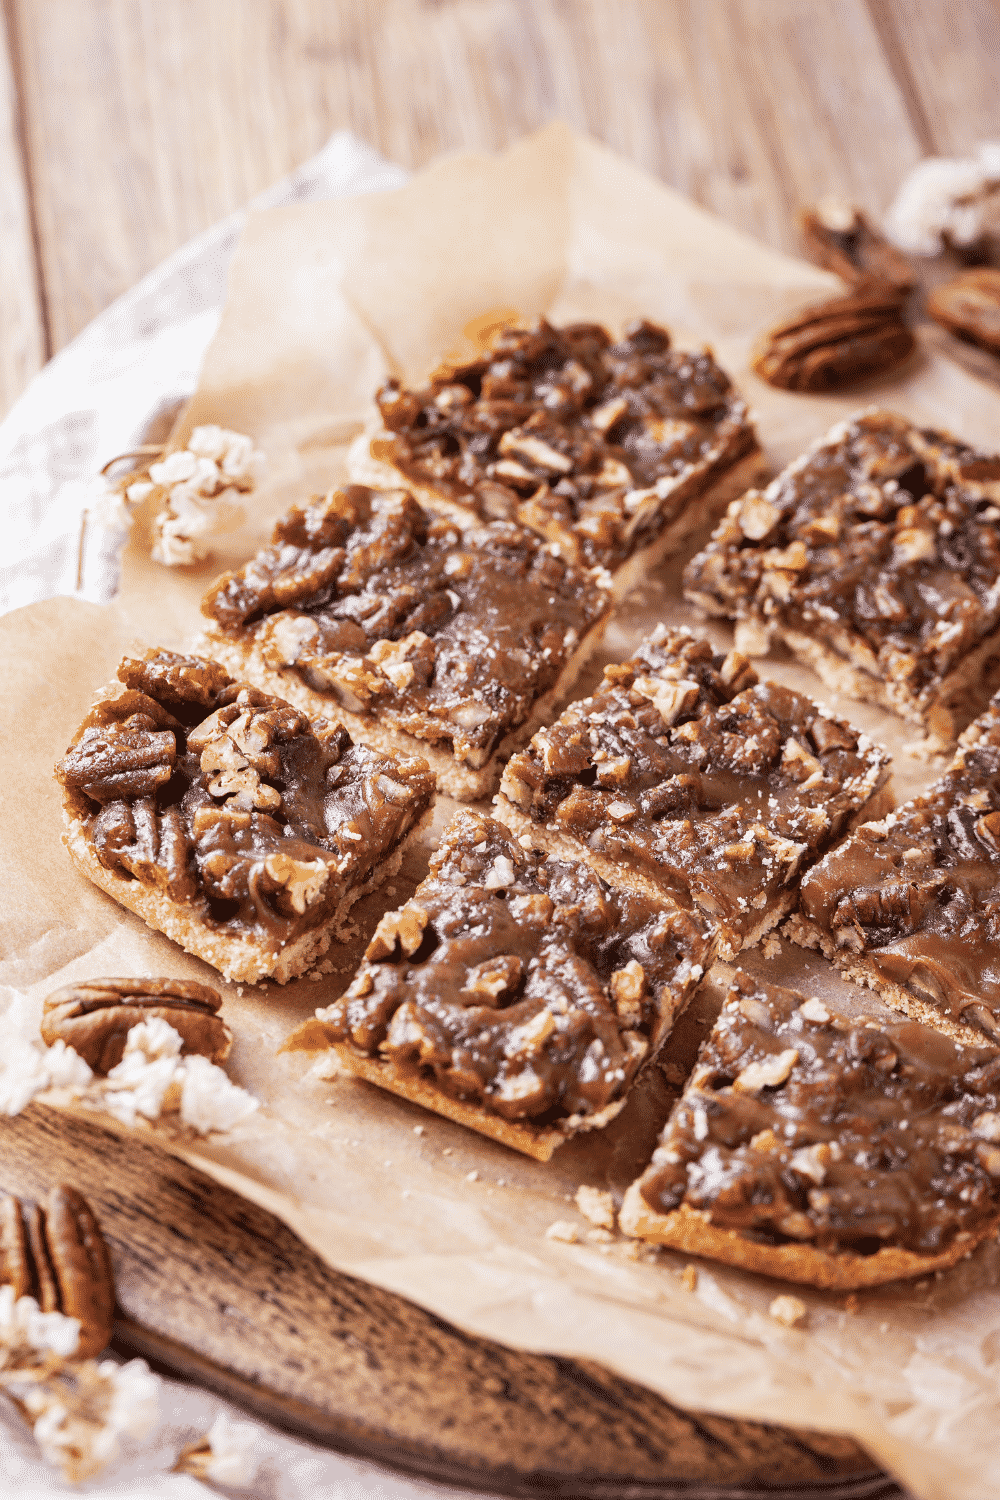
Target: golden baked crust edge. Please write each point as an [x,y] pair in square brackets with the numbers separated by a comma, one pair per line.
[691,1231]
[530,1140]
[240,960]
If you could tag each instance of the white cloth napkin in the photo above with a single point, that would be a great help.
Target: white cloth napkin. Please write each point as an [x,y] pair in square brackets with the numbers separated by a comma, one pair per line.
[97,398]
[131,368]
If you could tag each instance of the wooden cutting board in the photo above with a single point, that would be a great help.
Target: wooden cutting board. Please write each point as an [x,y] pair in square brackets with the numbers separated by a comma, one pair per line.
[216,1290]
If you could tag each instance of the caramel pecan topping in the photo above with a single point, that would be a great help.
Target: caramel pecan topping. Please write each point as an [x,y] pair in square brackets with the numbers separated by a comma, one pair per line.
[95,1017]
[227,799]
[448,635]
[835,343]
[595,445]
[55,1253]
[881,545]
[918,895]
[683,766]
[521,983]
[802,1125]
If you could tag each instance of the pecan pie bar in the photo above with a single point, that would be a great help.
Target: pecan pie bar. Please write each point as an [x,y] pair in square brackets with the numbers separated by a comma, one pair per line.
[841,1152]
[876,558]
[614,451]
[911,905]
[416,634]
[685,775]
[227,821]
[516,994]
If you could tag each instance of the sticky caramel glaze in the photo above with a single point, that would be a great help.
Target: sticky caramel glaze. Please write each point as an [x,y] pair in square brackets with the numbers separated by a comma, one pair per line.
[870,1136]
[228,800]
[448,635]
[918,895]
[520,983]
[684,767]
[571,433]
[883,543]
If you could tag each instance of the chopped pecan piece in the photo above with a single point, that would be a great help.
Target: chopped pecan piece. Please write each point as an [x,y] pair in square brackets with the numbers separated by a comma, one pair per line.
[55,1252]
[835,343]
[95,1017]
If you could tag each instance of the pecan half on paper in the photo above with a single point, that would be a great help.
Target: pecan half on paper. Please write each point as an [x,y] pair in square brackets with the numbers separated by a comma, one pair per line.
[94,1018]
[839,237]
[970,307]
[55,1253]
[836,343]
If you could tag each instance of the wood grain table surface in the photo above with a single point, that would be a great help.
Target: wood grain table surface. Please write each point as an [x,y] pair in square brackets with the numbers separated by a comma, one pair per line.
[126,127]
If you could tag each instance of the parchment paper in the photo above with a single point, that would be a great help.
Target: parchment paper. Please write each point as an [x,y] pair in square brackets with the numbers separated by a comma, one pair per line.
[323,300]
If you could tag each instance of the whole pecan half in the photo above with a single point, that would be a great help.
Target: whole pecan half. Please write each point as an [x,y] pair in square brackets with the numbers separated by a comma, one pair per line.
[95,1017]
[55,1253]
[970,306]
[839,237]
[835,343]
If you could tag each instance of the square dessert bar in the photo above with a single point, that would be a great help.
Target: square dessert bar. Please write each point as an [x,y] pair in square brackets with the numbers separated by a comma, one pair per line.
[837,1151]
[614,451]
[516,994]
[418,635]
[685,775]
[876,559]
[911,905]
[226,820]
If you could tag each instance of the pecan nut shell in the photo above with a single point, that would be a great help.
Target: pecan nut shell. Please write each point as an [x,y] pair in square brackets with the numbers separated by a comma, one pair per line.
[55,1252]
[94,1018]
[835,343]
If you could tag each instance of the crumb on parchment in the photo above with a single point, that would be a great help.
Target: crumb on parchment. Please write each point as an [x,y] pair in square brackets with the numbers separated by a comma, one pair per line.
[597,1206]
[788,1310]
[564,1231]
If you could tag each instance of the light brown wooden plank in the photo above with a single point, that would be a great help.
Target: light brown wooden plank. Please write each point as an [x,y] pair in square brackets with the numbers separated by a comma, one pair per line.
[765,105]
[149,119]
[22,333]
[946,58]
